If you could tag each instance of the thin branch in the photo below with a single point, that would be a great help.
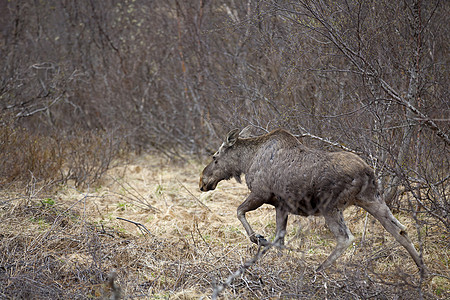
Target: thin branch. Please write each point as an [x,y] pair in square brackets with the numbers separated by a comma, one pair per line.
[141,227]
[426,121]
[22,114]
[325,140]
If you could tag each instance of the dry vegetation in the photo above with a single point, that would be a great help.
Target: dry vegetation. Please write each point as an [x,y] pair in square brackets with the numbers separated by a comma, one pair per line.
[85,85]
[64,244]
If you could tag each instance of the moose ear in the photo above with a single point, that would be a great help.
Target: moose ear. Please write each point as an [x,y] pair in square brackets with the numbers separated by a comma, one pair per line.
[232,137]
[246,132]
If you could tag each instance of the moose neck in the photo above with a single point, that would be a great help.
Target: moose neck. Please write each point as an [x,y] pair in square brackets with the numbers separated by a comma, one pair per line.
[247,148]
[244,153]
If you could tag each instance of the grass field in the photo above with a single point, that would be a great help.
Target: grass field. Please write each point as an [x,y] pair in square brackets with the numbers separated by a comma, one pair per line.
[173,242]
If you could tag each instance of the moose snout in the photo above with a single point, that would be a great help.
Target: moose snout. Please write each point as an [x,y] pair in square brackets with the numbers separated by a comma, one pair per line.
[207,185]
[202,185]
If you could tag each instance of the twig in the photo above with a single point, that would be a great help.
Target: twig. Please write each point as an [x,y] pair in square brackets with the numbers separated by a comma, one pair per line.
[139,225]
[440,275]
[425,119]
[41,238]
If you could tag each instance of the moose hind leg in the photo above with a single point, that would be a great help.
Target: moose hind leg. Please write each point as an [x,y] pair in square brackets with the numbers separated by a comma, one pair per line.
[383,214]
[281,218]
[344,238]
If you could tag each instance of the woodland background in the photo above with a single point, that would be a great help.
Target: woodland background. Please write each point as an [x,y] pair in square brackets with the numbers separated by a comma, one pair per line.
[85,83]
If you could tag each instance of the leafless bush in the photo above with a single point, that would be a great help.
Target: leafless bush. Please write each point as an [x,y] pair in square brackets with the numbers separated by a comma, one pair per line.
[24,155]
[82,157]
[87,156]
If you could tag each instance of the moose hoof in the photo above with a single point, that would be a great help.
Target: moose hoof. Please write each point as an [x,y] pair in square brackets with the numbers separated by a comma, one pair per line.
[261,240]
[279,245]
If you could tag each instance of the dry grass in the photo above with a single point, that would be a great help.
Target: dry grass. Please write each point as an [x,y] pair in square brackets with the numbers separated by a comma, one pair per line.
[64,245]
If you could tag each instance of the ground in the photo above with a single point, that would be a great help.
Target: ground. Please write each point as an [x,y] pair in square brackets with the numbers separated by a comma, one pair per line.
[148,222]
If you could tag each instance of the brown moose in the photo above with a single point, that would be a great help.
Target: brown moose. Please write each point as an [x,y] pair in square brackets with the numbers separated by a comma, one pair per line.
[281,171]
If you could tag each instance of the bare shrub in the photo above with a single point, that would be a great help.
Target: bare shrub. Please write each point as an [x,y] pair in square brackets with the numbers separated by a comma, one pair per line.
[24,155]
[83,156]
[88,155]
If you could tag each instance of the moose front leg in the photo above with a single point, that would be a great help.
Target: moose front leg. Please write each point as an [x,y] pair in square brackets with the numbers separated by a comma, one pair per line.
[251,203]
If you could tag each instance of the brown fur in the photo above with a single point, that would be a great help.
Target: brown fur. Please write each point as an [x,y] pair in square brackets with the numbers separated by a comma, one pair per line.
[281,171]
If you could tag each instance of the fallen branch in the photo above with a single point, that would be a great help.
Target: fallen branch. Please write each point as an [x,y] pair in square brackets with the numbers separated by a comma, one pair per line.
[141,227]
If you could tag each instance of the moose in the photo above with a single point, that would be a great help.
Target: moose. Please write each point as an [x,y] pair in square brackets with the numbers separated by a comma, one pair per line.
[281,171]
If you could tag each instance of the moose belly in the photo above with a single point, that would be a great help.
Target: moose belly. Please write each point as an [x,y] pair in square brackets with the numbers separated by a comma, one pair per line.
[313,202]
[307,206]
